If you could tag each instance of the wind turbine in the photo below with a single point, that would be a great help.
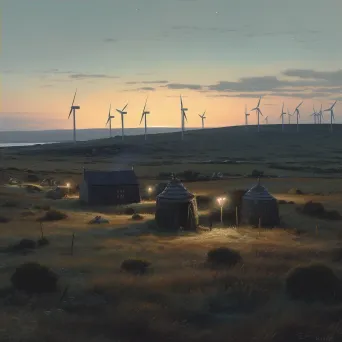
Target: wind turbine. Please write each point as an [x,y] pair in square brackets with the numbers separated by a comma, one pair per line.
[183,115]
[332,117]
[289,116]
[203,117]
[73,112]
[122,113]
[246,117]
[282,117]
[297,115]
[144,116]
[320,115]
[109,121]
[257,109]
[315,115]
[266,120]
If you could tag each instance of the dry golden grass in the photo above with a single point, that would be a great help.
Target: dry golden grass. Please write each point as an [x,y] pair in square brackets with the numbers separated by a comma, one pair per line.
[180,298]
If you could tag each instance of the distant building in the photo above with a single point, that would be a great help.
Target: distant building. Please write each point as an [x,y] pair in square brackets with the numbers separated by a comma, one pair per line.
[259,206]
[109,187]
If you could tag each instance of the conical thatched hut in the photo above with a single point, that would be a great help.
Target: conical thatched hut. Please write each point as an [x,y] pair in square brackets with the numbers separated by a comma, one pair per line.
[258,203]
[176,208]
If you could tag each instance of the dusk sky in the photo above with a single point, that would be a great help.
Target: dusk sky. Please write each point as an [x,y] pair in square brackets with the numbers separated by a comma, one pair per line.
[220,55]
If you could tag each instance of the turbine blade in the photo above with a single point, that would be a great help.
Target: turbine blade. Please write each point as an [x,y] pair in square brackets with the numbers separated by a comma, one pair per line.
[333,105]
[145,106]
[74,98]
[259,102]
[142,116]
[119,111]
[124,107]
[260,112]
[70,112]
[110,107]
[186,119]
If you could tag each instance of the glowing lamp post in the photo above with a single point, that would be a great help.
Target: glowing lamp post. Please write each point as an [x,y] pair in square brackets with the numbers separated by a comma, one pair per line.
[149,191]
[68,187]
[221,201]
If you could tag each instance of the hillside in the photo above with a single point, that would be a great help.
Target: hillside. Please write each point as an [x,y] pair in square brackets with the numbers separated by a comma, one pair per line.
[313,151]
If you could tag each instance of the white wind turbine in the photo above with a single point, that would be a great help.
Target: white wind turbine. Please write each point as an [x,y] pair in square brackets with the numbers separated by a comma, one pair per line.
[73,112]
[246,117]
[282,117]
[122,113]
[203,117]
[332,117]
[183,115]
[320,115]
[144,116]
[297,115]
[315,115]
[257,109]
[266,120]
[109,121]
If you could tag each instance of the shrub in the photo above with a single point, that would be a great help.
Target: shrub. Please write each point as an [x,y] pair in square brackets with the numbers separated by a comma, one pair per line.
[135,266]
[53,215]
[4,219]
[43,242]
[313,209]
[34,278]
[295,191]
[129,211]
[312,282]
[137,217]
[223,256]
[23,245]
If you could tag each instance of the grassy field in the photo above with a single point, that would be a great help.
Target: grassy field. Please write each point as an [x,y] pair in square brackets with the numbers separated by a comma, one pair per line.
[181,298]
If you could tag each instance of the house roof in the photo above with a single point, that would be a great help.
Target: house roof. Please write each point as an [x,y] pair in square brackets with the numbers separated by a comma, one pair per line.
[117,177]
[258,192]
[175,192]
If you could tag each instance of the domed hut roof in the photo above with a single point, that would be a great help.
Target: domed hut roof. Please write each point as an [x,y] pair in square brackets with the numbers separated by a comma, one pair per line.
[176,207]
[175,191]
[259,207]
[258,193]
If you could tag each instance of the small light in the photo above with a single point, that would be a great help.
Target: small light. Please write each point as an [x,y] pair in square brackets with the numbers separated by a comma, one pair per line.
[149,189]
[68,185]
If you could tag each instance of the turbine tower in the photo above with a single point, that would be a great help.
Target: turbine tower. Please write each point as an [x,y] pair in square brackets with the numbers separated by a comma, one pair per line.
[332,117]
[73,112]
[266,120]
[320,115]
[246,117]
[289,116]
[122,113]
[282,118]
[257,109]
[183,115]
[144,116]
[109,121]
[203,117]
[297,115]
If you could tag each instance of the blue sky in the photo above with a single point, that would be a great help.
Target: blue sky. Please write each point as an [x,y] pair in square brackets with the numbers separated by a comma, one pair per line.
[219,54]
